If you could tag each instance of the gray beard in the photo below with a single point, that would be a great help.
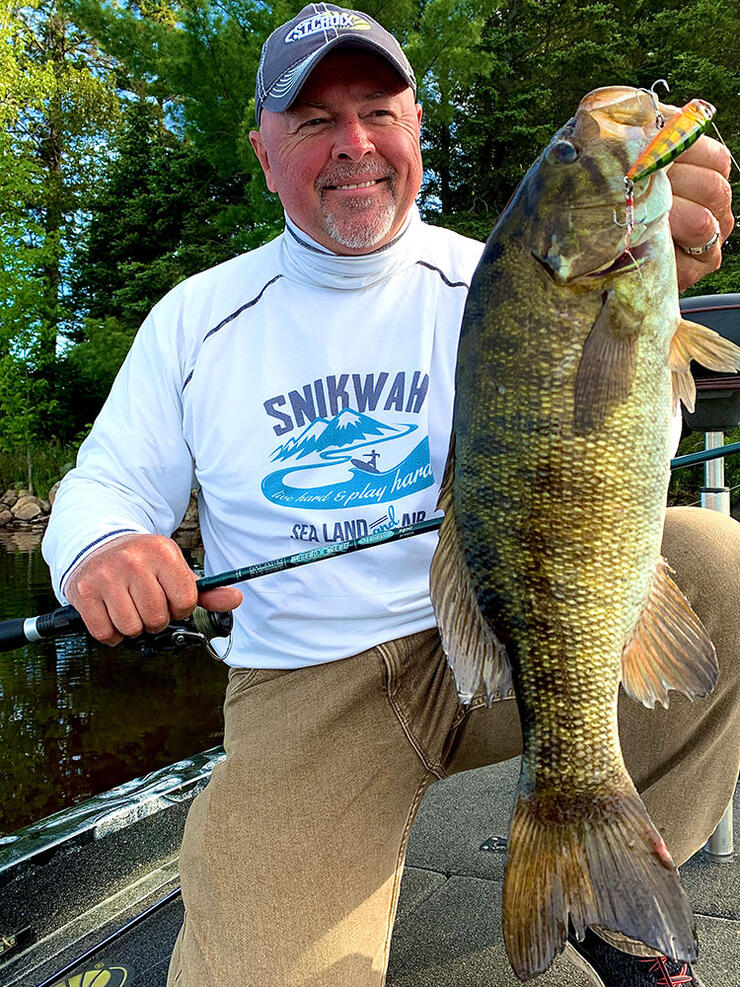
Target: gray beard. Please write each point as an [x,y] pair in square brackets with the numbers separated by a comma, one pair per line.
[362,236]
[359,236]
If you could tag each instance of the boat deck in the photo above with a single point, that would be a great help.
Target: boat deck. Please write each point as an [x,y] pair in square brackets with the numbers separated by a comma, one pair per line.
[448,930]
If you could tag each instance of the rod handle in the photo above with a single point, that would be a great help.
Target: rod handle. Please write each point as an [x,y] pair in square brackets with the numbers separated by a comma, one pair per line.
[18,631]
[12,634]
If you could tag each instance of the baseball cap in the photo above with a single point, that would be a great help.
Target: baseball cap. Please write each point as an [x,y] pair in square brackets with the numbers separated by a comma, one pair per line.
[294,49]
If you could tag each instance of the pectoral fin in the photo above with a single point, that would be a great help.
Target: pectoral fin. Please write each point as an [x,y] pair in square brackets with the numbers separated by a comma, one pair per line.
[607,366]
[692,341]
[670,648]
[473,650]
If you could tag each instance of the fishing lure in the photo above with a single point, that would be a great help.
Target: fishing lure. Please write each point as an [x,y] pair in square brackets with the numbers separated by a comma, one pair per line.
[676,134]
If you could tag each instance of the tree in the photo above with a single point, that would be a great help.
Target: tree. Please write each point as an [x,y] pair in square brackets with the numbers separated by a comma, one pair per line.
[542,56]
[56,106]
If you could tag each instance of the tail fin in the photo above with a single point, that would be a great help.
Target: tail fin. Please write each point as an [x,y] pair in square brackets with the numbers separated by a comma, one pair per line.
[607,866]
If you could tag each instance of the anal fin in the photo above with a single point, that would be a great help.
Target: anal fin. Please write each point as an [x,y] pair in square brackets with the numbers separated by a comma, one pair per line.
[670,648]
[473,650]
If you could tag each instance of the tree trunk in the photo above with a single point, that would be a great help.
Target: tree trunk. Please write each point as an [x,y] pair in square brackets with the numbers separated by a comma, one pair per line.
[29,479]
[444,169]
[52,148]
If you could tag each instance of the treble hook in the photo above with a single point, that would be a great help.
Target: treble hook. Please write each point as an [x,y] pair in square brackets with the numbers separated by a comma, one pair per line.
[630,224]
[659,118]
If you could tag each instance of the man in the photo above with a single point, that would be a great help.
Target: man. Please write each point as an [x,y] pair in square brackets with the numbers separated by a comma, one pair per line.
[268,378]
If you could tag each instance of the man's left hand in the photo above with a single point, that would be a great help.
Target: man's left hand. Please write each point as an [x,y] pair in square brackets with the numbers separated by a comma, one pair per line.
[702,205]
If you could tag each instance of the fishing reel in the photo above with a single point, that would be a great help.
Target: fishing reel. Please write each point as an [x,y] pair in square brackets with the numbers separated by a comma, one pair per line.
[201,627]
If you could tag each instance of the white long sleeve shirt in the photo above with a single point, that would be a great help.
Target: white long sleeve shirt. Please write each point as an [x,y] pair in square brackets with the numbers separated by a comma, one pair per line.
[309,398]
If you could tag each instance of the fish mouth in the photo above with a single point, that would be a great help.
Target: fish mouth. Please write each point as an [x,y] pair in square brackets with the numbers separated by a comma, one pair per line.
[629,259]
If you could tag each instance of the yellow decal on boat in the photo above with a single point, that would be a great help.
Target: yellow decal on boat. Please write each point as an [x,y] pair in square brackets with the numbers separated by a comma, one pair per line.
[112,976]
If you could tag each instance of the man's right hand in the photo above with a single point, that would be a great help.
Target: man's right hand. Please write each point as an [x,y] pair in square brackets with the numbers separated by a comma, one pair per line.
[137,583]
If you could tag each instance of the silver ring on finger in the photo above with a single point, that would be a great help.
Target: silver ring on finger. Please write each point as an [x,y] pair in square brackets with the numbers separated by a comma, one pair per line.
[698,251]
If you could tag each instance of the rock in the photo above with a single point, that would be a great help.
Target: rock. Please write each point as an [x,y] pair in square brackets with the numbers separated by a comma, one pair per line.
[53,492]
[9,497]
[26,541]
[45,505]
[24,493]
[187,535]
[5,516]
[26,508]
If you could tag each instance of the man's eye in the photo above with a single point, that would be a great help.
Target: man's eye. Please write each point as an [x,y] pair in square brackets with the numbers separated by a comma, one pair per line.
[315,122]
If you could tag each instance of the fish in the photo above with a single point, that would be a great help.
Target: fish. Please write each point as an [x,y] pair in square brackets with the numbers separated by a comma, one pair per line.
[548,577]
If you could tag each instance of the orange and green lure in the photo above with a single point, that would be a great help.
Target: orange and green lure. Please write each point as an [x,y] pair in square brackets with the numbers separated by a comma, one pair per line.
[677,133]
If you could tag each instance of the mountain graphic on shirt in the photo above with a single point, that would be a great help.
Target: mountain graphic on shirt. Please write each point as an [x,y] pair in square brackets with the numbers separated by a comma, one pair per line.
[346,429]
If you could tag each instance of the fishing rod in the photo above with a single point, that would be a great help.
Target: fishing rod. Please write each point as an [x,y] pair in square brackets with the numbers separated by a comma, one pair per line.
[203,625]
[317,554]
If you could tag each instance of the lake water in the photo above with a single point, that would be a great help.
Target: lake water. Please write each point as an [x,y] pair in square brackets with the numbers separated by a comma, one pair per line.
[76,717]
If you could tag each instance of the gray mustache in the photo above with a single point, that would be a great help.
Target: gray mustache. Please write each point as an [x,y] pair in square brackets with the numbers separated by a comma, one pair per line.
[360,172]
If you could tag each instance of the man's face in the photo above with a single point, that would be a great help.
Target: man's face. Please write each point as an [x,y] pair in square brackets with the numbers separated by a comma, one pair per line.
[345,158]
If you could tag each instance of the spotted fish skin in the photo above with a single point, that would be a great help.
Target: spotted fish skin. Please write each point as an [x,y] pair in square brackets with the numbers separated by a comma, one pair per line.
[548,573]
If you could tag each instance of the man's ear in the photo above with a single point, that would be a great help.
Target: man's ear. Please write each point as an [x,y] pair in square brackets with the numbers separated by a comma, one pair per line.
[255,139]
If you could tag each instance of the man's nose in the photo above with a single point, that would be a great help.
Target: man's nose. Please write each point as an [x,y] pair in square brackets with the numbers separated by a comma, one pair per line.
[352,142]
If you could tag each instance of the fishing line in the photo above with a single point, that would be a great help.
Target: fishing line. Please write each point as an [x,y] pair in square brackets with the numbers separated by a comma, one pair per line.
[722,141]
[636,265]
[697,503]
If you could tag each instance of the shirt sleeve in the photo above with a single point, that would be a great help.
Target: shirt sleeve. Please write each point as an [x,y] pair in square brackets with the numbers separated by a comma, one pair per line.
[134,471]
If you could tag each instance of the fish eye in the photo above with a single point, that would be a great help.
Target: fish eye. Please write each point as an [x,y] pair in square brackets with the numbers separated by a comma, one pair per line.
[562,152]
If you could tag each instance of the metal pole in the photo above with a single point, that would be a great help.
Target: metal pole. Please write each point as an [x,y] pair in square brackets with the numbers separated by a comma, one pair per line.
[716,496]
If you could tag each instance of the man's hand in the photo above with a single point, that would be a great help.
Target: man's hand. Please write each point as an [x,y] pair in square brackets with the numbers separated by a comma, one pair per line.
[137,583]
[702,204]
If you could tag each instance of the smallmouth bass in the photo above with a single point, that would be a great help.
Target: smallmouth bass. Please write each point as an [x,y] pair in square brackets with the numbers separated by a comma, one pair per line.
[548,574]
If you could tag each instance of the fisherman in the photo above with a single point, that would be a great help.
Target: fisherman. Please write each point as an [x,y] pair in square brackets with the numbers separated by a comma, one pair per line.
[257,380]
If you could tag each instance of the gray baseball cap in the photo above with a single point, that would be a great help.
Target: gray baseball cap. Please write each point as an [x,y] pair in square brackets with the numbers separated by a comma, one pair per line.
[294,49]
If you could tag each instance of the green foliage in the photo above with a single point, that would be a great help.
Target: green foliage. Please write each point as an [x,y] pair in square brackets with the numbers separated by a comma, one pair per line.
[56,105]
[50,459]
[542,56]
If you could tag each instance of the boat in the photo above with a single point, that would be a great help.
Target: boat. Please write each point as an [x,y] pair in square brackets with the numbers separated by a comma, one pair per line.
[83,889]
[90,897]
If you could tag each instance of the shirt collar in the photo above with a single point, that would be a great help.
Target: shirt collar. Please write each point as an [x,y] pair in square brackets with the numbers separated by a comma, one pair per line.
[307,261]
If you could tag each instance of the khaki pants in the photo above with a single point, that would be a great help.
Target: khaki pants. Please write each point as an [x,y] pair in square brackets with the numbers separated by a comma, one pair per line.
[292,857]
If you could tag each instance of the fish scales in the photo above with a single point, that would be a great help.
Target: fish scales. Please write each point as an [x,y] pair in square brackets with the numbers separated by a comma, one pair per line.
[536,551]
[554,501]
